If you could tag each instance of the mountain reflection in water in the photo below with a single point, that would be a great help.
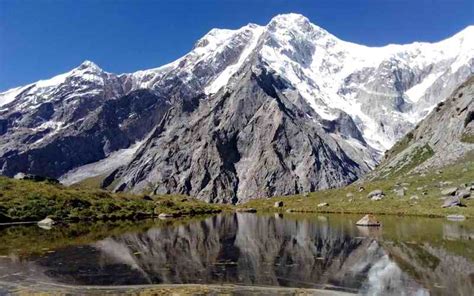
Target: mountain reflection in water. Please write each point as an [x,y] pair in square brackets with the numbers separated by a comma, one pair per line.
[411,256]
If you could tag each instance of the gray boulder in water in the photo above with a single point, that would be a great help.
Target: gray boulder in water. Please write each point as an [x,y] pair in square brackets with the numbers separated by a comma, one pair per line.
[46,223]
[368,220]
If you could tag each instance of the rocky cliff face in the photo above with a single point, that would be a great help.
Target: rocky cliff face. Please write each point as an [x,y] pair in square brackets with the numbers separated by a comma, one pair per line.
[259,111]
[445,136]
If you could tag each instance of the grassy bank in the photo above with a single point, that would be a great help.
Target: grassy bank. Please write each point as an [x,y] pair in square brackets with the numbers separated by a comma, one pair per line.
[23,200]
[426,187]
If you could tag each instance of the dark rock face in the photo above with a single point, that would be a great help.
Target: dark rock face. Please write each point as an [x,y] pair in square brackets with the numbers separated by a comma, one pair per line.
[232,148]
[116,124]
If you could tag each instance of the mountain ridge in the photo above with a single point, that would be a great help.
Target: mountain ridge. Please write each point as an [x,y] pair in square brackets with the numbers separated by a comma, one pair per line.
[361,99]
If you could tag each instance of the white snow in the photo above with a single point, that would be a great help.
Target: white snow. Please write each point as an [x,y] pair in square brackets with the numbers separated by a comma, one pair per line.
[104,166]
[417,91]
[224,77]
[312,60]
[10,95]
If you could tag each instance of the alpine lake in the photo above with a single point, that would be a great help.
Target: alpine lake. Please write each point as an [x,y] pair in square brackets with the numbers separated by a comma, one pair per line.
[246,253]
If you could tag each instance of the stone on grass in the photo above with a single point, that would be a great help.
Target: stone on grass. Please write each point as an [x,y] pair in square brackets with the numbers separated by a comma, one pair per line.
[400,192]
[451,201]
[278,204]
[323,204]
[46,223]
[376,194]
[368,220]
[463,193]
[414,197]
[350,194]
[449,191]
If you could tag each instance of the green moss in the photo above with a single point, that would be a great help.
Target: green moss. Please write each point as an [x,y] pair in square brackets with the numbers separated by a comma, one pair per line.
[467,138]
[427,205]
[400,145]
[22,200]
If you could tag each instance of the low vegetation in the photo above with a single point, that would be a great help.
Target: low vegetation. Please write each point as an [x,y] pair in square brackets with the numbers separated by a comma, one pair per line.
[421,198]
[467,138]
[24,200]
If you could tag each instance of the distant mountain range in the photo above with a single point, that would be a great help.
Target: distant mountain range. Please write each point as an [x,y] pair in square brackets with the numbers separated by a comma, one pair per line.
[260,111]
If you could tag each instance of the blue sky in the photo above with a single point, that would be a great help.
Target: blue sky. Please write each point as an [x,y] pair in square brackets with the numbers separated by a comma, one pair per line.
[40,38]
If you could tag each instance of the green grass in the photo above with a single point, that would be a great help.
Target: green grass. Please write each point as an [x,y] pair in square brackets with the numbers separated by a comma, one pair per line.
[22,200]
[467,138]
[426,205]
[410,161]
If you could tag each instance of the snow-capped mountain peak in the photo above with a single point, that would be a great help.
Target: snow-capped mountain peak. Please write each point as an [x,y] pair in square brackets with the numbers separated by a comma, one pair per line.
[357,99]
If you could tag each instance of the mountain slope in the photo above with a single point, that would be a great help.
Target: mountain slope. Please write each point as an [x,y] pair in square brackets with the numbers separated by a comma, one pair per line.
[224,148]
[258,111]
[443,137]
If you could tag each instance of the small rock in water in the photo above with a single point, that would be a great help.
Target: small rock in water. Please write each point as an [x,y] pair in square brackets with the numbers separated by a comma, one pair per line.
[166,216]
[449,191]
[278,204]
[451,201]
[323,204]
[46,223]
[368,220]
[455,217]
[290,210]
[463,193]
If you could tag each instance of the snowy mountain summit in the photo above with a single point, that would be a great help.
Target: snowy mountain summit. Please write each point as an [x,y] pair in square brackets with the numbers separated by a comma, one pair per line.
[258,111]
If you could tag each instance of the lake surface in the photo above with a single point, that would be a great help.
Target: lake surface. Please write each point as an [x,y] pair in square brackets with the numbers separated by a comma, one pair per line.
[411,256]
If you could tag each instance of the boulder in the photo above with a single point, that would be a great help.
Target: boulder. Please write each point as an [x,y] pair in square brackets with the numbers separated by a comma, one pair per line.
[400,192]
[46,223]
[278,204]
[376,194]
[368,220]
[323,204]
[463,193]
[19,176]
[449,191]
[451,201]
[166,215]
[444,183]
